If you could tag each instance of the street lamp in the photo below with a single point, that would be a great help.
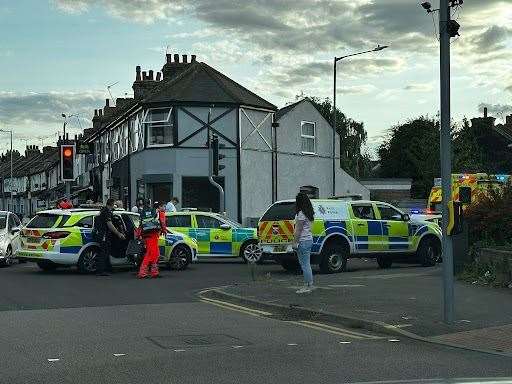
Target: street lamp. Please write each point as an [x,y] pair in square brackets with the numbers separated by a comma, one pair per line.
[336,59]
[10,180]
[64,127]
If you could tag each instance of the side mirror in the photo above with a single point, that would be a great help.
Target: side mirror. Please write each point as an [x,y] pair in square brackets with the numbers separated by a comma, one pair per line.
[225,227]
[406,217]
[15,230]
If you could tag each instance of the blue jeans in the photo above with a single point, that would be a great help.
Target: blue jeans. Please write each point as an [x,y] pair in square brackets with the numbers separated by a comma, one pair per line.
[304,254]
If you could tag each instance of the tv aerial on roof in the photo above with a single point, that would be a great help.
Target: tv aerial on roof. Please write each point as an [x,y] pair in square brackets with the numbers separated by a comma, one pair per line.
[108,90]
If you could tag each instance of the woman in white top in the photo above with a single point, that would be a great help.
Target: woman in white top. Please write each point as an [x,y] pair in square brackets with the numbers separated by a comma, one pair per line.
[303,238]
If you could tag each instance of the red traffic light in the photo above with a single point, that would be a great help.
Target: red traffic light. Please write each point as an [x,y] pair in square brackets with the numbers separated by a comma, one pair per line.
[68,152]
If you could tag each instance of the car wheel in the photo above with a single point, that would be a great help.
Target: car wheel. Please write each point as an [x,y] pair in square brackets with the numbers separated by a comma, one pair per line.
[87,261]
[428,253]
[47,266]
[290,265]
[334,259]
[251,252]
[8,257]
[384,261]
[181,257]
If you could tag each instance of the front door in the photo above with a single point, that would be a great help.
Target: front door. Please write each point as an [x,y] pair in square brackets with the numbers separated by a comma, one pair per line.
[395,230]
[211,238]
[366,228]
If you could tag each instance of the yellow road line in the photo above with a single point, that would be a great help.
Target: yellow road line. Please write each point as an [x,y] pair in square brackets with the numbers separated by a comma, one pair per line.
[361,335]
[339,333]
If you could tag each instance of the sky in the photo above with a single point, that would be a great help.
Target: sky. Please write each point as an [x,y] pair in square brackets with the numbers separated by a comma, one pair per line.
[59,56]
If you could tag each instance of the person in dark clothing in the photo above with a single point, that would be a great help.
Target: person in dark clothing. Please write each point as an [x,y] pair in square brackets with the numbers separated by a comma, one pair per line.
[104,230]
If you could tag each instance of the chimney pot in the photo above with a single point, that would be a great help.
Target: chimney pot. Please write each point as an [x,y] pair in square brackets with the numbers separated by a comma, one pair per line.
[185,60]
[95,112]
[169,58]
[158,76]
[144,76]
[193,58]
[485,111]
[107,102]
[100,112]
[176,58]
[137,72]
[150,76]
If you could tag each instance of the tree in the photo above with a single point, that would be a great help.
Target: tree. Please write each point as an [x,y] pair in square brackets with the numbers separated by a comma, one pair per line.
[352,138]
[412,151]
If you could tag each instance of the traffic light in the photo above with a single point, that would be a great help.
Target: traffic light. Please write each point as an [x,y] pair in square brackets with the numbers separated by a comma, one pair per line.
[217,156]
[67,162]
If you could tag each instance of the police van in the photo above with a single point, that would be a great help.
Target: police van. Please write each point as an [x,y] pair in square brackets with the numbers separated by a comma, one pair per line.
[350,229]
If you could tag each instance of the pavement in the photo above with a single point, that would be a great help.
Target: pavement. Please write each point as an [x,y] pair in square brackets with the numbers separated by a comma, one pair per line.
[406,298]
[64,327]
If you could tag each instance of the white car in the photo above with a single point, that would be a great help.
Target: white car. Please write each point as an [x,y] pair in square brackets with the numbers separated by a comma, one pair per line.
[9,236]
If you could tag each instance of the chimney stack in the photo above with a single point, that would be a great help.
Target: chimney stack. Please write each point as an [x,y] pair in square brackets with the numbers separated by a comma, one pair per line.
[175,67]
[137,73]
[485,112]
[158,76]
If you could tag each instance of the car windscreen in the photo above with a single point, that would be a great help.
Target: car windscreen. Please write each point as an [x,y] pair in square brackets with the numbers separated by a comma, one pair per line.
[3,221]
[46,220]
[280,211]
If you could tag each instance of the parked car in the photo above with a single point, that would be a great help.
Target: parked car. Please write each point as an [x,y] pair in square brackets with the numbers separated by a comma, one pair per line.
[216,235]
[10,227]
[63,237]
[351,229]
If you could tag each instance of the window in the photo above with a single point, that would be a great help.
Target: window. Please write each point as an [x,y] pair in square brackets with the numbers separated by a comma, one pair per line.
[307,133]
[158,123]
[177,221]
[43,220]
[85,222]
[389,213]
[17,221]
[280,211]
[198,192]
[124,140]
[133,129]
[3,221]
[363,211]
[12,223]
[311,191]
[207,222]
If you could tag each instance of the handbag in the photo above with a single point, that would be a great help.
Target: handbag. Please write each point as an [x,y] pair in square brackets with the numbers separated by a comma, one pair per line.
[135,249]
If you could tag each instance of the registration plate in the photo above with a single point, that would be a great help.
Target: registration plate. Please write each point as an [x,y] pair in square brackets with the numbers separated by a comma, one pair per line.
[280,248]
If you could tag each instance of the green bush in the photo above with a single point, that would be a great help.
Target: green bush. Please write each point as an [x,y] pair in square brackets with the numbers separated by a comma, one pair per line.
[490,217]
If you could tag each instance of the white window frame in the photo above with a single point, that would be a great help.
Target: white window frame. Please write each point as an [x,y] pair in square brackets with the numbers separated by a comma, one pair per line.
[304,136]
[167,124]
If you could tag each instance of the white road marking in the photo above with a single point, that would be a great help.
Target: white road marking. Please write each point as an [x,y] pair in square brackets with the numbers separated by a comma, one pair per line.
[464,321]
[346,285]
[402,325]
[345,342]
[393,340]
[237,346]
[119,354]
[291,344]
[179,350]
[53,360]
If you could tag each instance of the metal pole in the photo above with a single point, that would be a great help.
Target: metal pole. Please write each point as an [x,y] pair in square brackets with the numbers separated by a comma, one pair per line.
[10,181]
[446,167]
[210,170]
[334,133]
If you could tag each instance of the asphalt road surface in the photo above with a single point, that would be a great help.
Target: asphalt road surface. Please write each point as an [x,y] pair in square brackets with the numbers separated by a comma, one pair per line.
[64,327]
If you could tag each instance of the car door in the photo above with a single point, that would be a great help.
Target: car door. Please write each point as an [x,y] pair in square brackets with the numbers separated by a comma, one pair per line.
[366,228]
[211,238]
[14,222]
[181,223]
[395,230]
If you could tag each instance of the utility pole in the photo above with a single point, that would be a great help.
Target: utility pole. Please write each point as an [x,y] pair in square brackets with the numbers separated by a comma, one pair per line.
[210,170]
[10,180]
[446,161]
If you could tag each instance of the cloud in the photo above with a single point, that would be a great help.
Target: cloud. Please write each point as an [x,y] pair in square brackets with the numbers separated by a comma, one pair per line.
[419,87]
[28,111]
[492,39]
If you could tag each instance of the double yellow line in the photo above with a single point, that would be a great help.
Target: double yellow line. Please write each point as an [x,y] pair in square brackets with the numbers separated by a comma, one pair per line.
[303,323]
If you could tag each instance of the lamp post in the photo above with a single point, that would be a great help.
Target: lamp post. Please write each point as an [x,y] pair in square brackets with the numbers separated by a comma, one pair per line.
[336,59]
[10,180]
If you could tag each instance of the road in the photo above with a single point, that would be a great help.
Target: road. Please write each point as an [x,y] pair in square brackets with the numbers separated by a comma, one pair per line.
[64,327]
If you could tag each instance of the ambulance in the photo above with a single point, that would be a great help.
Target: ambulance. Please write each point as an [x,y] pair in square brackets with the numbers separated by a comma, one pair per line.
[480,183]
[350,229]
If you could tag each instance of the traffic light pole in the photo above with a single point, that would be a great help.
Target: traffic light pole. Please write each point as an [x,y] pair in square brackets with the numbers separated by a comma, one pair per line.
[210,175]
[446,166]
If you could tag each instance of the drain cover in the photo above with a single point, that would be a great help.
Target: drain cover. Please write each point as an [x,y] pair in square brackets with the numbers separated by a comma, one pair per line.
[188,341]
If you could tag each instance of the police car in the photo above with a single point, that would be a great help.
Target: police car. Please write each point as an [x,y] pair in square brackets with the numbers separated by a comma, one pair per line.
[346,229]
[216,235]
[57,238]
